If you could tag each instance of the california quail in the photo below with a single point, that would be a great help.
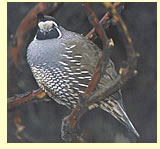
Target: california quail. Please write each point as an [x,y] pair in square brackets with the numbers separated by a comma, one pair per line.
[63,62]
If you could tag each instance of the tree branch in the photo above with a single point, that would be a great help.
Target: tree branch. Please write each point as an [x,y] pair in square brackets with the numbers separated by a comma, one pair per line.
[125,72]
[69,123]
[35,95]
[105,22]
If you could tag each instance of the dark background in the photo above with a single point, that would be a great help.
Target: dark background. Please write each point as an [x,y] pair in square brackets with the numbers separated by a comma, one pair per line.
[42,121]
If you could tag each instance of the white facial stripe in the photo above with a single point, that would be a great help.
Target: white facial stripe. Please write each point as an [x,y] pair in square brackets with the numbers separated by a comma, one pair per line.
[47,25]
[60,34]
[54,24]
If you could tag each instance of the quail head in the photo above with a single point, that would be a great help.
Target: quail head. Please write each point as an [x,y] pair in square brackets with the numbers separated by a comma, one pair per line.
[62,62]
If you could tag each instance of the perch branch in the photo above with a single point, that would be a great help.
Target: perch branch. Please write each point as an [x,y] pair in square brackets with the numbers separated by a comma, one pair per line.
[105,53]
[35,95]
[70,121]
[125,72]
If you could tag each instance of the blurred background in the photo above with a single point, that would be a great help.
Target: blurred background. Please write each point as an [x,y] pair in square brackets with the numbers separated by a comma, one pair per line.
[41,122]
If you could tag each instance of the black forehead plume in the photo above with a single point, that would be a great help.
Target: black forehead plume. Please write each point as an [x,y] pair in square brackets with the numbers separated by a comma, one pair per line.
[42,17]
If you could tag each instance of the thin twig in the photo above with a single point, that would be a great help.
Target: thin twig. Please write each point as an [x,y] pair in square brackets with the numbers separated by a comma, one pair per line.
[106,50]
[104,21]
[125,72]
[35,95]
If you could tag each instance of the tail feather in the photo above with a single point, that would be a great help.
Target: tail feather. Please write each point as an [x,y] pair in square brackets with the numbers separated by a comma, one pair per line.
[116,110]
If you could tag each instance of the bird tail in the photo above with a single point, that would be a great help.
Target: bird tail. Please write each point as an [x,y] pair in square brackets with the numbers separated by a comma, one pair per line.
[116,110]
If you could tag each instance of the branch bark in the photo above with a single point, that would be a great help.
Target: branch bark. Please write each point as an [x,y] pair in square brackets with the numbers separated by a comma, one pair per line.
[34,96]
[125,72]
[105,21]
[71,121]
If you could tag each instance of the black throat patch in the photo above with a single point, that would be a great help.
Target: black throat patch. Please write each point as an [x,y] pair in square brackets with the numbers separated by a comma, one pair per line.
[48,35]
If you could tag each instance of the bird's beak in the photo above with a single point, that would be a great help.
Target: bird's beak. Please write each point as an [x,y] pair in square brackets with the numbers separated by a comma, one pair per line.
[44,31]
